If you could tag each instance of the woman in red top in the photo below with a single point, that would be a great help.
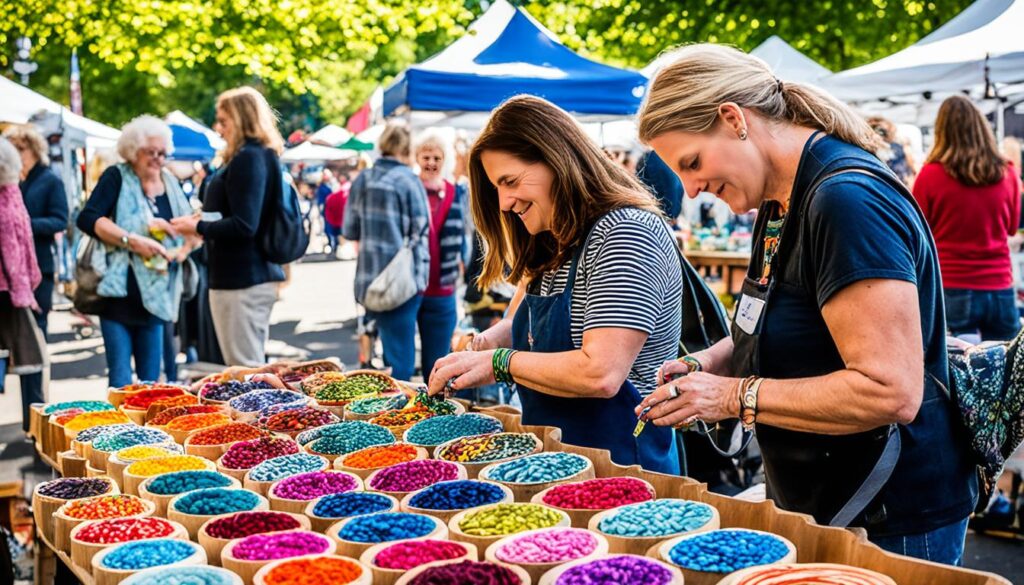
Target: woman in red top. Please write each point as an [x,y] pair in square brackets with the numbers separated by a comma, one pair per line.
[971,197]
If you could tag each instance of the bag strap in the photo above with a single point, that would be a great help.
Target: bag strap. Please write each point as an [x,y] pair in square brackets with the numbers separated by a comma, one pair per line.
[873,483]
[886,464]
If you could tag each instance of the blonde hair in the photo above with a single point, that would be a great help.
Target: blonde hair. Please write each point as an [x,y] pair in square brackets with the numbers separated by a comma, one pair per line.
[1011,149]
[24,136]
[587,185]
[134,135]
[10,163]
[686,94]
[253,119]
[395,140]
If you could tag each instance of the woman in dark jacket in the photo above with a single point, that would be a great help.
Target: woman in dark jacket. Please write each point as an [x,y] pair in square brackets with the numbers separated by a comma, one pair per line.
[243,284]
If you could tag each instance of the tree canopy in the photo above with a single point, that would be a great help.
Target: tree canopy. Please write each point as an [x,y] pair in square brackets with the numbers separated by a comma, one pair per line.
[318,61]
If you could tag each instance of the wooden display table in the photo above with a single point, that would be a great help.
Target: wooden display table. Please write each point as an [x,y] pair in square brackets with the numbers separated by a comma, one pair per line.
[733,266]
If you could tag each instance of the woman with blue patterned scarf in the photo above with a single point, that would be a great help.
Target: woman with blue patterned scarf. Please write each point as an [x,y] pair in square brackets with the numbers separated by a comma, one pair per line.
[130,211]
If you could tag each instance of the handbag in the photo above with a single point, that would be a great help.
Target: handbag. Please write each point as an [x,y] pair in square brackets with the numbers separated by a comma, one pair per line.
[189,279]
[87,299]
[396,284]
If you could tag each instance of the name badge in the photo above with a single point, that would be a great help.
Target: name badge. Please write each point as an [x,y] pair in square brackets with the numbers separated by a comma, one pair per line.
[749,314]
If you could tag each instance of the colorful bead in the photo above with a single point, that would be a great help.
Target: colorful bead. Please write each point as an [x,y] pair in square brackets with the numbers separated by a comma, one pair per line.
[488,448]
[504,519]
[248,523]
[351,504]
[225,391]
[598,494]
[312,571]
[413,475]
[467,573]
[74,488]
[539,468]
[260,399]
[386,526]
[117,530]
[172,484]
[312,485]
[380,456]
[102,507]
[615,571]
[249,454]
[656,518]
[148,467]
[134,556]
[725,551]
[223,434]
[403,556]
[213,501]
[457,495]
[444,428]
[266,547]
[282,467]
[550,546]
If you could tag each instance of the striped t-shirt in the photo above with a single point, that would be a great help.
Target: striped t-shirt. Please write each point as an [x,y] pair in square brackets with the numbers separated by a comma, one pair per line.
[629,277]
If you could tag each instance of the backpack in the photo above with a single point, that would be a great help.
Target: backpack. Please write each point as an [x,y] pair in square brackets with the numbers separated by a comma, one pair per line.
[986,383]
[282,237]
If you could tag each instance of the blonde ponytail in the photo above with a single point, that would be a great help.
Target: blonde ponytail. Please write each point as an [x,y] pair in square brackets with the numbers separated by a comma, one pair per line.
[685,96]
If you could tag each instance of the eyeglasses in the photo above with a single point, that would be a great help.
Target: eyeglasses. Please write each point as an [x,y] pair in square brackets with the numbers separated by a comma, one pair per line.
[153,152]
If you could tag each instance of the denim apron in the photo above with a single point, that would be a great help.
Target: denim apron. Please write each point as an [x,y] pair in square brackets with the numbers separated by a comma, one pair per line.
[835,478]
[543,324]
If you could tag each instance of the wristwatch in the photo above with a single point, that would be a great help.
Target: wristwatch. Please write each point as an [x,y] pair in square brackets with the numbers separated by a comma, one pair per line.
[124,241]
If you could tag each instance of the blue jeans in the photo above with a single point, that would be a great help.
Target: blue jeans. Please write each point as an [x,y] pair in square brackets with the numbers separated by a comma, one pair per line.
[437,319]
[990,313]
[170,353]
[943,545]
[397,330]
[121,342]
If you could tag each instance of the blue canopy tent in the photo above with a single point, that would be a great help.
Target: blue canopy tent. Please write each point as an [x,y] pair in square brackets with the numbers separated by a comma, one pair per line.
[506,53]
[190,144]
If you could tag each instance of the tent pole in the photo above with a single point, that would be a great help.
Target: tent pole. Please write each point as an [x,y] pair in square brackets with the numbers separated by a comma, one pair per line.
[1000,120]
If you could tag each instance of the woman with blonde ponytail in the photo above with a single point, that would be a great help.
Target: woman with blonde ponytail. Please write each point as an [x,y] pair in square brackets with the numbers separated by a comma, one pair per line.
[838,342]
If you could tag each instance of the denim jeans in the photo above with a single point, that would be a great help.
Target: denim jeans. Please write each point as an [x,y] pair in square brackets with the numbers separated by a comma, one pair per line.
[943,545]
[121,342]
[170,353]
[437,319]
[990,313]
[397,329]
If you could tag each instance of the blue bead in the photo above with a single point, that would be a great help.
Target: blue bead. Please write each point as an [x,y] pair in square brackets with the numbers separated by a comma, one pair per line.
[385,527]
[725,551]
[143,554]
[351,504]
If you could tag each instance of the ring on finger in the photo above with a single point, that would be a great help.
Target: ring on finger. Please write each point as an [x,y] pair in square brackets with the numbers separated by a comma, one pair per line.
[673,391]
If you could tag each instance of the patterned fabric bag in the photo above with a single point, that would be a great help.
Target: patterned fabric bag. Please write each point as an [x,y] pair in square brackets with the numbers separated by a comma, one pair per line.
[987,383]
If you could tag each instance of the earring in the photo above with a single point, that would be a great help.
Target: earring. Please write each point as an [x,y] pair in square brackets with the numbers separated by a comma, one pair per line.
[743,134]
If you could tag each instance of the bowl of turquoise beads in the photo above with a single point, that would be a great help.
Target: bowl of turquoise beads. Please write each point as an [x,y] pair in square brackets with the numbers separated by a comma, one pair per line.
[636,528]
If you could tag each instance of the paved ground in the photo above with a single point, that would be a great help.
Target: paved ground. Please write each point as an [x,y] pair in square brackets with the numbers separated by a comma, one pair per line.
[315,318]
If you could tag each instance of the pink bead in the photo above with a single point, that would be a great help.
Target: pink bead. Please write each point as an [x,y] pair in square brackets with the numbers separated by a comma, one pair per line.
[550,546]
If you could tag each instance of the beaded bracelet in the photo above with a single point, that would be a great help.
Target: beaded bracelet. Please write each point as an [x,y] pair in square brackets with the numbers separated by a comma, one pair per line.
[693,363]
[500,362]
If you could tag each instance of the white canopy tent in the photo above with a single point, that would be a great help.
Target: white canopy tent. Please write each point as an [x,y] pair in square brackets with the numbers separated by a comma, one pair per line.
[330,135]
[788,63]
[182,119]
[309,152]
[982,45]
[20,103]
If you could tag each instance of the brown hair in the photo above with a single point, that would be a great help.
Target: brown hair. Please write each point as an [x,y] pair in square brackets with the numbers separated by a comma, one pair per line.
[24,136]
[965,145]
[685,96]
[586,186]
[395,141]
[253,119]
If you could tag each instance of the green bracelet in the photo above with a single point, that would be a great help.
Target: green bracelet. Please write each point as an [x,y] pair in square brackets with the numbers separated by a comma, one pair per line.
[692,362]
[500,363]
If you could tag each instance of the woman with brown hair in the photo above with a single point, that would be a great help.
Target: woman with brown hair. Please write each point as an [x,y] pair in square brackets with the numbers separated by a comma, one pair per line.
[838,342]
[599,283]
[971,197]
[243,284]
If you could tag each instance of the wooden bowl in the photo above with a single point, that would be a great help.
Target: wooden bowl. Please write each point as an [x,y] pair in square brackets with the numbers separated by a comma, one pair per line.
[91,471]
[193,522]
[482,542]
[44,508]
[431,448]
[64,524]
[382,576]
[263,487]
[70,465]
[581,516]
[238,474]
[214,546]
[105,576]
[460,474]
[524,492]
[355,549]
[132,481]
[224,575]
[137,416]
[446,515]
[323,523]
[82,552]
[299,506]
[524,577]
[247,569]
[812,570]
[536,570]
[661,552]
[162,501]
[116,465]
[365,578]
[639,545]
[551,577]
[365,473]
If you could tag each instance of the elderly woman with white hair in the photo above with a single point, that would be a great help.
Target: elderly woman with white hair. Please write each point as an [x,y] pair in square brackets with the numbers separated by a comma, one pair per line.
[130,211]
[20,339]
[446,203]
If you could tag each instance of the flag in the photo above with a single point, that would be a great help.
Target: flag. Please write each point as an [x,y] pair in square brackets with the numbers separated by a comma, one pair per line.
[369,114]
[76,84]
